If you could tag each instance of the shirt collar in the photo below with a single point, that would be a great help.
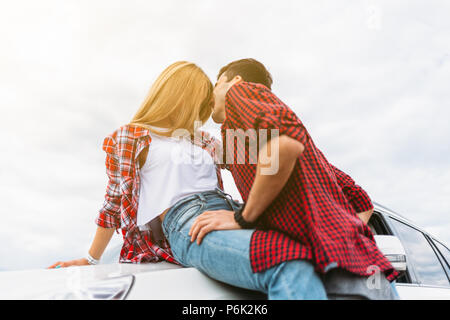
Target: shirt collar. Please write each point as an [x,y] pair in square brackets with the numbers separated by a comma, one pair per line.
[226,123]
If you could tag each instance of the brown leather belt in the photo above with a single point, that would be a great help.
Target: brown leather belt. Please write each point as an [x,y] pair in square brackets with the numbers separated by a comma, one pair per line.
[155,226]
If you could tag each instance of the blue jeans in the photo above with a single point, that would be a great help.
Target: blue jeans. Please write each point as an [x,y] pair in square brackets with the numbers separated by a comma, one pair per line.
[394,289]
[224,255]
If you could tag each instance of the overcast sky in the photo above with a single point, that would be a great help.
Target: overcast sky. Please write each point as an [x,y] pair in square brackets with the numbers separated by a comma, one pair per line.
[369,79]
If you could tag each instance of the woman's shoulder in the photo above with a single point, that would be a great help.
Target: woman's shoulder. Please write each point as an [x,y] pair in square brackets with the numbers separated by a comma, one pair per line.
[205,138]
[123,136]
[128,132]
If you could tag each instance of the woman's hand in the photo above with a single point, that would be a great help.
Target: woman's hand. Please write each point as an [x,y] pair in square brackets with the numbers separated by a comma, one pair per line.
[101,240]
[77,262]
[212,220]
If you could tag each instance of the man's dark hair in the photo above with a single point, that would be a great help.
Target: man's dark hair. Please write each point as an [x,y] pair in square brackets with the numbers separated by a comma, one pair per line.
[249,69]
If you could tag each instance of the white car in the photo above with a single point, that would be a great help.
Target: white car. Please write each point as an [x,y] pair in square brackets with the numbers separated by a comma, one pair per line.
[427,272]
[422,259]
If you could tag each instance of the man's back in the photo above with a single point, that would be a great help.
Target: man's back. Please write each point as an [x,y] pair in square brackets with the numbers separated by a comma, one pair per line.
[314,215]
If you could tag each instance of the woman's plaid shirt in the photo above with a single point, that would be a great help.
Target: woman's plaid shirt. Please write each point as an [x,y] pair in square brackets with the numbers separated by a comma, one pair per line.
[315,215]
[119,210]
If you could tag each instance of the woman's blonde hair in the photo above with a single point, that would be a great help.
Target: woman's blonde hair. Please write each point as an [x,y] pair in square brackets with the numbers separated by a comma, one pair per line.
[181,95]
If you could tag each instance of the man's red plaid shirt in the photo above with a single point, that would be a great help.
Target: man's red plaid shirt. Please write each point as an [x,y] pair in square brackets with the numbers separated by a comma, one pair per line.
[315,215]
[119,210]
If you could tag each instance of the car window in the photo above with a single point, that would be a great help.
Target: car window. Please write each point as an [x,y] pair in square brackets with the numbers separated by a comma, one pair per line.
[420,253]
[376,224]
[445,253]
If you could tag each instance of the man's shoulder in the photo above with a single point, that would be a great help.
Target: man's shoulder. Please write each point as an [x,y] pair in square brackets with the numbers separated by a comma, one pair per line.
[254,98]
[245,87]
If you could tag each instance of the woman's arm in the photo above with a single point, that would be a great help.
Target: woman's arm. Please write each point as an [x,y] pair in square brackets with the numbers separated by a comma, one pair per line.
[99,244]
[101,240]
[109,216]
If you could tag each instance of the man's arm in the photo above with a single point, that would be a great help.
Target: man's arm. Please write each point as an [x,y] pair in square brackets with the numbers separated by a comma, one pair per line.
[357,196]
[267,112]
[265,188]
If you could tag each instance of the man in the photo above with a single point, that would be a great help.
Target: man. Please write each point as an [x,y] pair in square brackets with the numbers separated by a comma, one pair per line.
[307,209]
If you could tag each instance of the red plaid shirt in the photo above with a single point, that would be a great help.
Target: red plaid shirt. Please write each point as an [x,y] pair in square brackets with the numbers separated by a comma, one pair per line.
[119,209]
[315,215]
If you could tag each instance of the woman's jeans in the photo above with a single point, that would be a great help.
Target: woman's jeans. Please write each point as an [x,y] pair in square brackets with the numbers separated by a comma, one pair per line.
[224,254]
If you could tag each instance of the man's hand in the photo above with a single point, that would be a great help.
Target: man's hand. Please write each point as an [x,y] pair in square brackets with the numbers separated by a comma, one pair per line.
[212,220]
[365,216]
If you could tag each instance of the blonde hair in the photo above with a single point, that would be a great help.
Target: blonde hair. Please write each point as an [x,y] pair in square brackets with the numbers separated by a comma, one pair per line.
[182,94]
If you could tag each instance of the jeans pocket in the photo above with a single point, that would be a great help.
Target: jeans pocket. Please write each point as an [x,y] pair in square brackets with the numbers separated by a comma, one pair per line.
[186,214]
[179,245]
[235,205]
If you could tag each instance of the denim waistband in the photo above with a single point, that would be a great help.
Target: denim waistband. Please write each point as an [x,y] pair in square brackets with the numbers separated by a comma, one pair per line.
[203,196]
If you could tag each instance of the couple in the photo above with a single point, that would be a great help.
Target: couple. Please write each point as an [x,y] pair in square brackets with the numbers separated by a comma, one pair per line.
[301,232]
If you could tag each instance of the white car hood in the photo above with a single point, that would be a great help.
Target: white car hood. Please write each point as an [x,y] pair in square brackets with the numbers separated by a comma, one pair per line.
[56,283]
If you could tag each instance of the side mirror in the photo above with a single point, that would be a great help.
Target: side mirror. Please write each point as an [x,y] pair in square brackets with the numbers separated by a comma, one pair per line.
[393,250]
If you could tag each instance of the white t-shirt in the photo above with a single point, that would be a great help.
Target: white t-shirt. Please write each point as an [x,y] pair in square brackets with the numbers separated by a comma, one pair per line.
[175,168]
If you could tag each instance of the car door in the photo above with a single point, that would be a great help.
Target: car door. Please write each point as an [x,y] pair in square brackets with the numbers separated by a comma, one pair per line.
[379,225]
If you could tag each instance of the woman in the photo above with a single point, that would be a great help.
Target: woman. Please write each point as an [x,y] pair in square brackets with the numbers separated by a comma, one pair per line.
[162,175]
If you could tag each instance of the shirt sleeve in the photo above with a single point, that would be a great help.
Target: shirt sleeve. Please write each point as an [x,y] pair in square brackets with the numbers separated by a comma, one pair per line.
[109,214]
[285,121]
[215,148]
[356,195]
[262,109]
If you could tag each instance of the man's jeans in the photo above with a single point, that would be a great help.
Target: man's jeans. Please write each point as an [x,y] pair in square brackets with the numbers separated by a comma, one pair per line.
[224,255]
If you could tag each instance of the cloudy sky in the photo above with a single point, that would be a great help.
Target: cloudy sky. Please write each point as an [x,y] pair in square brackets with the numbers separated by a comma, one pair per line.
[370,80]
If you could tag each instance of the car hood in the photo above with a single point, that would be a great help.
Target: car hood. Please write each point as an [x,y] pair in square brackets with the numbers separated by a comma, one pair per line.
[59,283]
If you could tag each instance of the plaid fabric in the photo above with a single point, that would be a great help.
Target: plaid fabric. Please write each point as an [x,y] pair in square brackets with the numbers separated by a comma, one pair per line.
[357,196]
[119,209]
[315,215]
